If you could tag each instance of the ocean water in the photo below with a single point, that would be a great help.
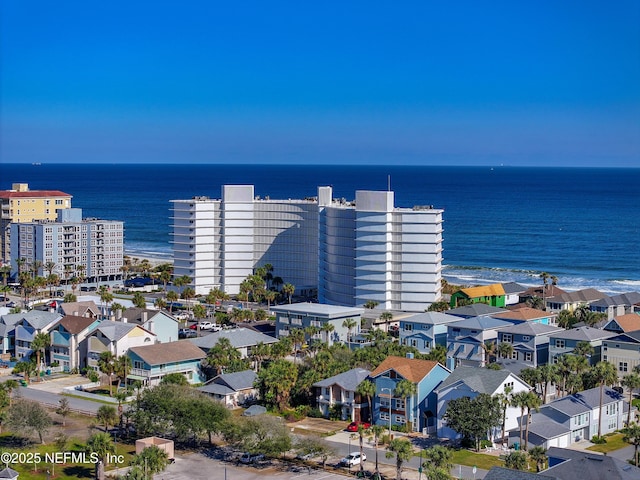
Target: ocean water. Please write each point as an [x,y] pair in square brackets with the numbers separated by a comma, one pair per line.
[501,223]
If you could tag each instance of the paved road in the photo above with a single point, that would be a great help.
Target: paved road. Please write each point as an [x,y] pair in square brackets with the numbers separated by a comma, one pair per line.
[52,399]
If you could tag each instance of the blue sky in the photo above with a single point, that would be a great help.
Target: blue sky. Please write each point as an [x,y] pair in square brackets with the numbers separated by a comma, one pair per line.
[429,83]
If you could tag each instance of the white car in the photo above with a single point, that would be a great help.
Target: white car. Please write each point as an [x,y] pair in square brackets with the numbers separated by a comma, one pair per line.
[353,459]
[206,325]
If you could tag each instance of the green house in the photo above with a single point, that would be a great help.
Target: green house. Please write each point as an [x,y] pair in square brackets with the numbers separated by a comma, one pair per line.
[493,295]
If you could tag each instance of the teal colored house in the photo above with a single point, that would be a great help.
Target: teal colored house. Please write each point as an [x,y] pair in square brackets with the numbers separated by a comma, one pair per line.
[158,322]
[419,409]
[152,362]
[68,347]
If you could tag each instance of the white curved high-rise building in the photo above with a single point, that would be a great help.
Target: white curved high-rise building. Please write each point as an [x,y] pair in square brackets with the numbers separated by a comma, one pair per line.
[351,252]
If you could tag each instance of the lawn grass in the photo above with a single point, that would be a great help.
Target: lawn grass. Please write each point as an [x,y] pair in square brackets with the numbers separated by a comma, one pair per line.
[614,442]
[480,460]
[66,471]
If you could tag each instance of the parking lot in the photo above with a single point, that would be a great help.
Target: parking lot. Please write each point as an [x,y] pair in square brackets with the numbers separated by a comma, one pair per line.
[196,466]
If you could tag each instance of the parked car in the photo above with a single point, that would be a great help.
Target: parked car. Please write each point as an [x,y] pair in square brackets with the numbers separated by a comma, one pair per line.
[251,458]
[353,426]
[187,333]
[353,459]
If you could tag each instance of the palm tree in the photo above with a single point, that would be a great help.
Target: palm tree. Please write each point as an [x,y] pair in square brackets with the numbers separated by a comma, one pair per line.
[41,341]
[297,339]
[632,436]
[631,381]
[583,349]
[538,455]
[101,444]
[172,297]
[505,350]
[377,431]
[122,368]
[327,328]
[288,290]
[505,401]
[406,389]
[548,373]
[403,451]
[566,319]
[270,297]
[386,317]
[605,373]
[371,304]
[367,389]
[533,402]
[490,350]
[520,399]
[9,386]
[349,324]
[106,364]
[259,353]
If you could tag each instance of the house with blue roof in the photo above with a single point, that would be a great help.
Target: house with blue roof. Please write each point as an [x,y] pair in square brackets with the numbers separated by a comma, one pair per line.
[616,305]
[530,343]
[566,341]
[68,347]
[475,310]
[341,390]
[232,389]
[471,382]
[242,339]
[574,418]
[151,363]
[24,326]
[467,338]
[425,330]
[115,337]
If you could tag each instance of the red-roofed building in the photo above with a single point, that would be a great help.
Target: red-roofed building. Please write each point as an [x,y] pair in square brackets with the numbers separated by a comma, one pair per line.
[392,406]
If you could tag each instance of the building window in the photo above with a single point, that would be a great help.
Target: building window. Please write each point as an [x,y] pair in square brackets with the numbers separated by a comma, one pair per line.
[623,366]
[408,327]
[384,416]
[560,343]
[400,404]
[528,356]
[507,337]
[526,338]
[384,402]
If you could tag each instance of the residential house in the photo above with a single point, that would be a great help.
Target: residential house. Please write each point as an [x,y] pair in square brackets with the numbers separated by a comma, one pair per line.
[493,295]
[6,340]
[341,390]
[568,464]
[542,292]
[151,363]
[232,389]
[68,347]
[243,339]
[629,322]
[24,326]
[87,309]
[467,338]
[117,338]
[419,410]
[574,418]
[530,343]
[622,351]
[471,382]
[475,310]
[527,314]
[425,330]
[512,292]
[158,322]
[302,315]
[566,341]
[503,473]
[617,305]
[572,300]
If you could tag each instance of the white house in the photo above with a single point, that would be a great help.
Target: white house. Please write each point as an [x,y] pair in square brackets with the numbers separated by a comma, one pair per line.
[341,389]
[472,381]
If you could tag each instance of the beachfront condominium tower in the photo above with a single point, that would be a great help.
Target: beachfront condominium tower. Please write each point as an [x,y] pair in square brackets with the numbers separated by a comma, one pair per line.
[90,248]
[349,252]
[20,205]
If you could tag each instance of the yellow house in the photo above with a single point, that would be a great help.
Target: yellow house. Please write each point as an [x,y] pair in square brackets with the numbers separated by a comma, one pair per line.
[20,205]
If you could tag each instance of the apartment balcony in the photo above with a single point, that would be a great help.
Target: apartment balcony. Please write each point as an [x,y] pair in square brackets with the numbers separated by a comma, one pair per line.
[141,372]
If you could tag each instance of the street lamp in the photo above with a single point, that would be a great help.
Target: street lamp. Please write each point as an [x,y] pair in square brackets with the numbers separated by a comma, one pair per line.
[382,389]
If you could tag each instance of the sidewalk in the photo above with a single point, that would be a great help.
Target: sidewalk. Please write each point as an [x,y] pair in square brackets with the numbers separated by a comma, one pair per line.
[410,468]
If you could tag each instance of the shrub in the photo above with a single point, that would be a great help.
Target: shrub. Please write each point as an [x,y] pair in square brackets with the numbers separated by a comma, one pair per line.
[486,443]
[93,375]
[315,413]
[598,440]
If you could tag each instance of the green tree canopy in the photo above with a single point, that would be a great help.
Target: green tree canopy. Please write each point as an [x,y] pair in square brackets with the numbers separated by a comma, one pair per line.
[473,418]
